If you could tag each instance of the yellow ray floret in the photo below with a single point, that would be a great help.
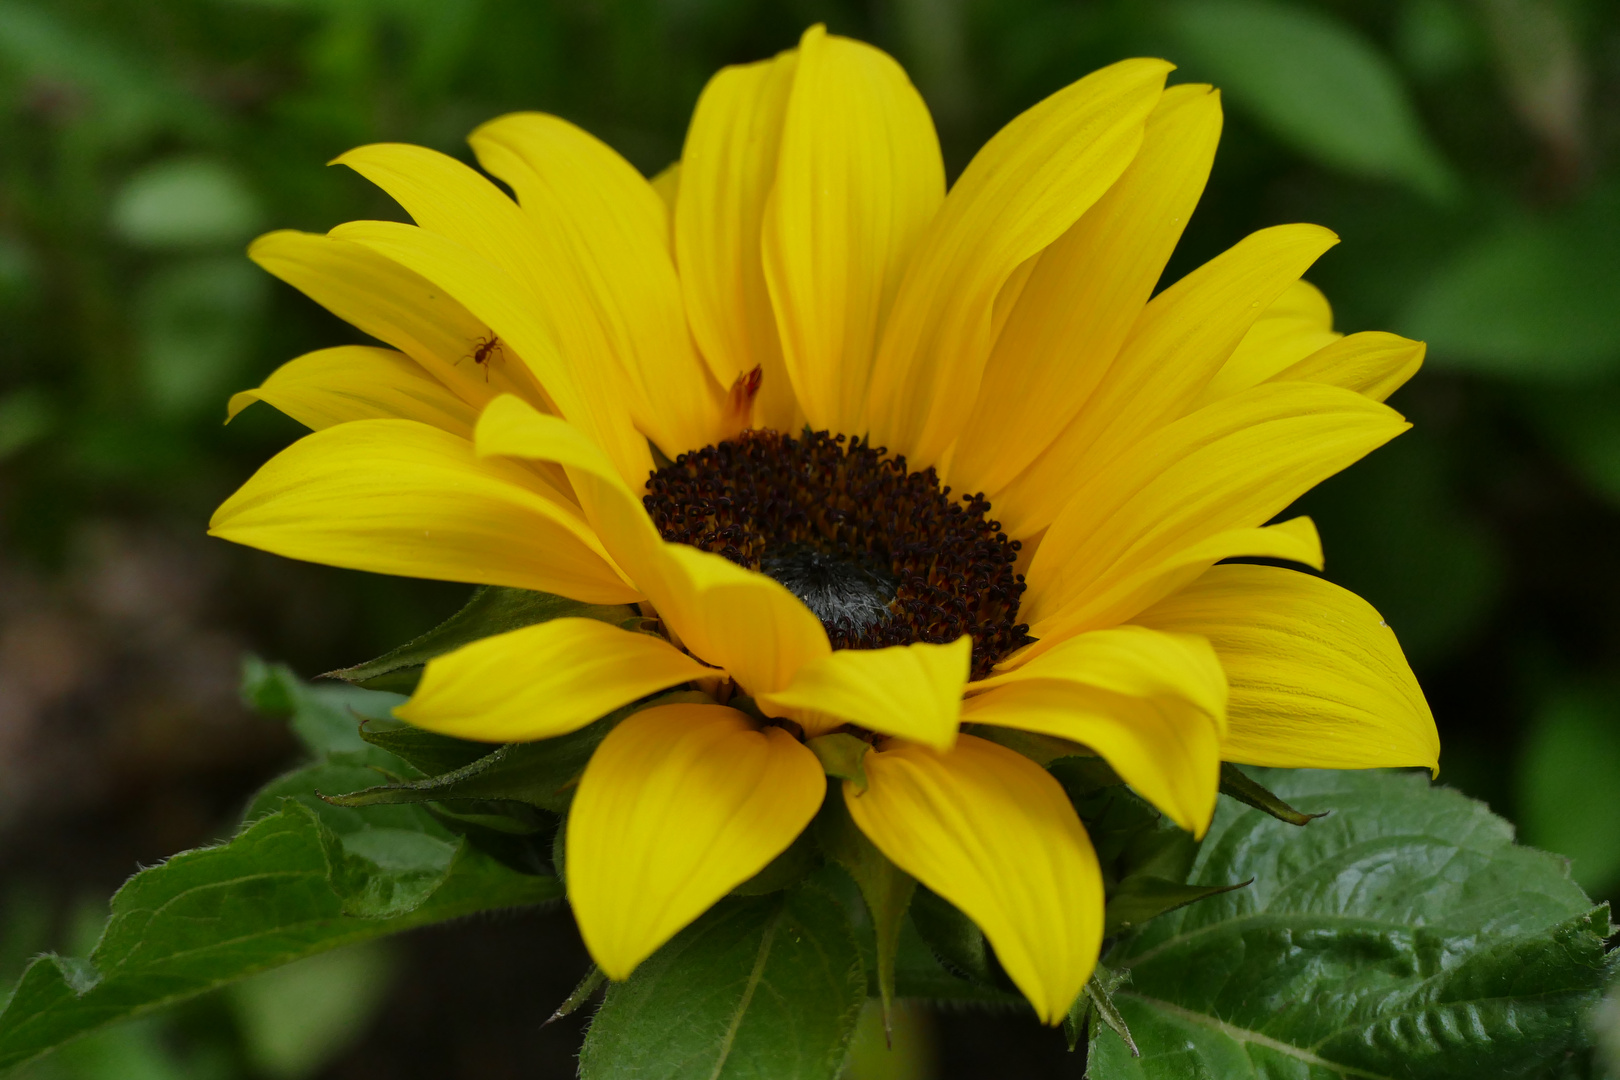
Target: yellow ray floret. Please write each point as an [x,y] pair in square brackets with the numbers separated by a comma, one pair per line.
[1317,677]
[543,680]
[994,834]
[679,805]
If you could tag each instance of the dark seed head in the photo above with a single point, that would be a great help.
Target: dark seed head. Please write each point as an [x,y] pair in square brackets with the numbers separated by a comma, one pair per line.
[882,555]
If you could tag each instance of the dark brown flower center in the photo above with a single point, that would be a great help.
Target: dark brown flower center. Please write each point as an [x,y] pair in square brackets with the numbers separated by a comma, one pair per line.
[882,555]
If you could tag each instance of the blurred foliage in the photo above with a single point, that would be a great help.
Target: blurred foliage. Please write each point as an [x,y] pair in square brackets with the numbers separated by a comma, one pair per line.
[1464,149]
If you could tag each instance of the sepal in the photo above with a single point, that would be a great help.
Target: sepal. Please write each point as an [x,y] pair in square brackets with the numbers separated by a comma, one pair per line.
[1095,1009]
[1237,784]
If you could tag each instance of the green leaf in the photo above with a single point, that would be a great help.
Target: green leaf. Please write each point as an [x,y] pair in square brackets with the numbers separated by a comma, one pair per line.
[1315,83]
[885,888]
[956,940]
[326,719]
[209,917]
[786,870]
[1404,936]
[492,610]
[1533,299]
[1238,785]
[918,973]
[767,988]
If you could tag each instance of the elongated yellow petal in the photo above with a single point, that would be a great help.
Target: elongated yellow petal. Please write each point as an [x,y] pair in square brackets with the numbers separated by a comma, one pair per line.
[859,175]
[452,201]
[1152,704]
[1298,324]
[668,186]
[1020,193]
[731,617]
[1231,465]
[1177,344]
[679,805]
[1294,540]
[993,833]
[358,382]
[1371,363]
[1130,660]
[1083,294]
[739,620]
[578,391]
[398,306]
[399,497]
[727,167]
[1317,677]
[913,691]
[605,227]
[543,680]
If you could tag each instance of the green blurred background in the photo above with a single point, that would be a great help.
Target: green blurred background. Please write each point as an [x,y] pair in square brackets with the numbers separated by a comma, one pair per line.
[1465,150]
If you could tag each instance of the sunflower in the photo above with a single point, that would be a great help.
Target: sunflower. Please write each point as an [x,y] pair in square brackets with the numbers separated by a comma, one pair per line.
[749,396]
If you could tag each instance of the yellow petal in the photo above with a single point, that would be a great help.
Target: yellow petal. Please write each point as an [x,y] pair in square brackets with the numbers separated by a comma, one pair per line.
[581,392]
[543,680]
[1020,193]
[993,833]
[1084,292]
[454,202]
[1130,660]
[1317,677]
[1231,465]
[601,224]
[1177,344]
[1371,363]
[357,382]
[399,497]
[731,617]
[395,305]
[1294,540]
[1298,324]
[859,175]
[737,619]
[679,805]
[727,167]
[1151,704]
[913,691]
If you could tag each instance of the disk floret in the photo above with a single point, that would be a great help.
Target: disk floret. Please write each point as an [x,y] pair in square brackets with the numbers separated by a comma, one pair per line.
[881,554]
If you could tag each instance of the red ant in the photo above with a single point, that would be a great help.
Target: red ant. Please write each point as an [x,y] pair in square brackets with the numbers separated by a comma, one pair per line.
[481,354]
